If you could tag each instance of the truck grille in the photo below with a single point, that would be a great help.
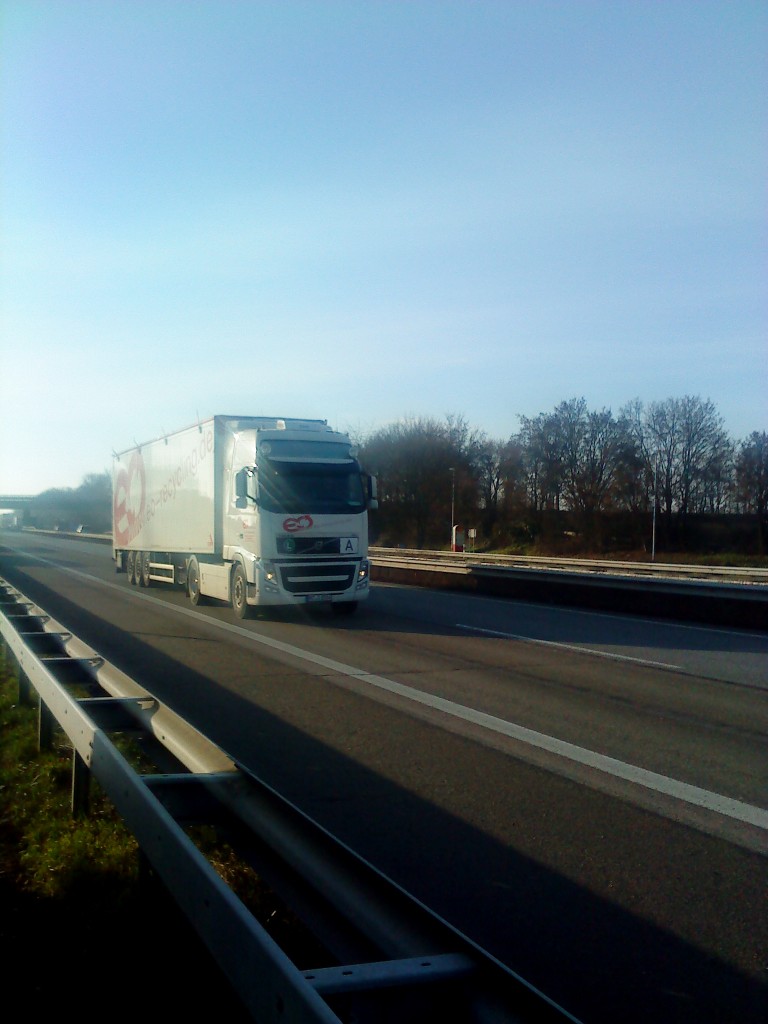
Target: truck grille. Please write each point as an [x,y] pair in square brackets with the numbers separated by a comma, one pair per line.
[322,578]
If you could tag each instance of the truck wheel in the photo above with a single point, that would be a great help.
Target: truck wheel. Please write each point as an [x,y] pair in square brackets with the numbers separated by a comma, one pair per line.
[142,569]
[193,583]
[239,592]
[130,567]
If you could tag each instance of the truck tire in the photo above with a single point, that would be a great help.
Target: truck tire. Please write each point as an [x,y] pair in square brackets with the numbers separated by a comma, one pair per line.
[239,592]
[193,583]
[130,567]
[142,564]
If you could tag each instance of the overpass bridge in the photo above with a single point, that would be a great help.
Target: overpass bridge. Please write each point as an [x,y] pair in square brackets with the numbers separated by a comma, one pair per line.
[15,502]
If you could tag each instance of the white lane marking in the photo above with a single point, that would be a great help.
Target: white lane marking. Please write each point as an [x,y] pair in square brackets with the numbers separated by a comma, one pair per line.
[736,809]
[568,647]
[595,613]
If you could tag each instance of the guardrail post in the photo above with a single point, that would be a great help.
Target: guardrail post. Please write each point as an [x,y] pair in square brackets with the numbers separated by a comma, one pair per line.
[81,786]
[150,884]
[25,688]
[45,724]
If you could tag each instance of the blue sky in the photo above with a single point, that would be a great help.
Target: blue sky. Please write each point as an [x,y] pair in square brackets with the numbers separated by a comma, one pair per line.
[364,211]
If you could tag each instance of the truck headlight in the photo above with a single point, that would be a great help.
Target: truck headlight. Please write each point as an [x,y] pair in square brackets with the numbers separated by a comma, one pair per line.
[269,572]
[363,573]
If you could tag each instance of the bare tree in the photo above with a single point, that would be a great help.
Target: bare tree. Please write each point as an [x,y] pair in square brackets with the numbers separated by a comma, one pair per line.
[421,473]
[689,441]
[636,480]
[487,458]
[663,433]
[89,505]
[542,444]
[704,447]
[752,481]
[592,449]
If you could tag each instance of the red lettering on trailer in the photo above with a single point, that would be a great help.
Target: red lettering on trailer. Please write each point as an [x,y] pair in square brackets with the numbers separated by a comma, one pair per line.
[129,500]
[130,508]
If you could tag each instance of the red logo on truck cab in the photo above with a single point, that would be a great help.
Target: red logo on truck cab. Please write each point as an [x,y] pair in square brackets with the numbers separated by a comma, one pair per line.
[295,523]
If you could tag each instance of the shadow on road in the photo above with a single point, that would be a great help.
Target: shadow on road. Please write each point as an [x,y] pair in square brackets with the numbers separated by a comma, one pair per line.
[601,961]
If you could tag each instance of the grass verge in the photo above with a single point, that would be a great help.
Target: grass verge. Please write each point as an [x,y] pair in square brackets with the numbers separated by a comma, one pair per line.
[77,921]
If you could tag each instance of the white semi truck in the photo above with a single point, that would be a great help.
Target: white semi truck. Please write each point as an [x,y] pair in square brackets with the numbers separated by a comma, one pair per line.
[251,510]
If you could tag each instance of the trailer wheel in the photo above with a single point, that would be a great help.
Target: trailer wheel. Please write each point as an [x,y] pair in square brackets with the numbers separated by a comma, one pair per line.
[143,569]
[239,592]
[130,567]
[193,583]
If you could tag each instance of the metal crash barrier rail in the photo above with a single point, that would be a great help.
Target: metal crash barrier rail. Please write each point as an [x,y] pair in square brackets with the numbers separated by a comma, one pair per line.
[613,567]
[393,958]
[716,596]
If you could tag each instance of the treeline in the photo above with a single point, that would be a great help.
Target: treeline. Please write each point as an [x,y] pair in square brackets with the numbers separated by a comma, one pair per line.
[575,479]
[67,508]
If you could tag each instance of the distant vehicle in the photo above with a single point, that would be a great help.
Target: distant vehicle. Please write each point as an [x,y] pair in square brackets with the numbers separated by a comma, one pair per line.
[83,529]
[249,510]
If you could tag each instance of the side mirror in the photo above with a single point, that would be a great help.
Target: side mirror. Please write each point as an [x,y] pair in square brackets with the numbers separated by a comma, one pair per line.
[241,494]
[245,488]
[372,489]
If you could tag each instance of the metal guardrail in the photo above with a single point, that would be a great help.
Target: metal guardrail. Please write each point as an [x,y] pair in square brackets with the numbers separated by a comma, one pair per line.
[389,949]
[694,597]
[460,561]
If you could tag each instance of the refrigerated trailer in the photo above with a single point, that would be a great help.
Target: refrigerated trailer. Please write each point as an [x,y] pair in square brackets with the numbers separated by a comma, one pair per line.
[251,510]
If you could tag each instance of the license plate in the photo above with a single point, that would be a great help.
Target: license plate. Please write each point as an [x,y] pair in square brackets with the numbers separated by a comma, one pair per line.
[315,597]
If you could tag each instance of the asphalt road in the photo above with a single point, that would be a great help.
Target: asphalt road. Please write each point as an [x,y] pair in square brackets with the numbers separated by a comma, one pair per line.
[582,794]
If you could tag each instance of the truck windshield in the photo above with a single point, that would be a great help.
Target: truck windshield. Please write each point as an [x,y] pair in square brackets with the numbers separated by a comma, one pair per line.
[295,487]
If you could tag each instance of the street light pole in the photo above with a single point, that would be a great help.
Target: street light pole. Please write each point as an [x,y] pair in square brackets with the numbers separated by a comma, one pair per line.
[453,499]
[655,503]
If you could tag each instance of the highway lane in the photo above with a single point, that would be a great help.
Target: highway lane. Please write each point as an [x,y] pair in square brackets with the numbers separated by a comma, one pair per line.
[492,775]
